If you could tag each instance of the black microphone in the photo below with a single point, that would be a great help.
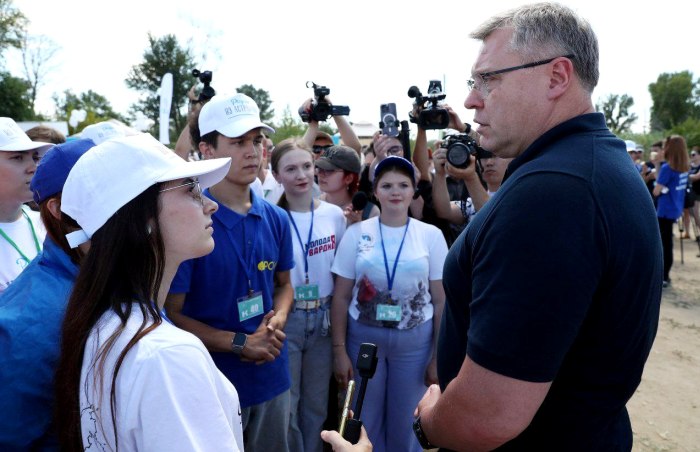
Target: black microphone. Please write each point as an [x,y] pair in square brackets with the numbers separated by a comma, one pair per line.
[366,366]
[359,201]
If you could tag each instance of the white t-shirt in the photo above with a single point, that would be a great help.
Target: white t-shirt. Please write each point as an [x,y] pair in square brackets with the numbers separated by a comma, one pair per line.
[360,257]
[169,394]
[23,233]
[329,227]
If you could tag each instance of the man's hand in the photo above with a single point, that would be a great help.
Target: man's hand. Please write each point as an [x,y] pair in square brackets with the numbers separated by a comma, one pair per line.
[440,159]
[264,345]
[455,122]
[277,321]
[339,444]
[466,174]
[428,401]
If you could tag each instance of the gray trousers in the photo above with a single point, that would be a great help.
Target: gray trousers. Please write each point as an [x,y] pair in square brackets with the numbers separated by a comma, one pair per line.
[265,425]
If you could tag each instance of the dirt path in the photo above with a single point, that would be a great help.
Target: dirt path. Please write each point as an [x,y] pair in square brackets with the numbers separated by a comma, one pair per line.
[665,410]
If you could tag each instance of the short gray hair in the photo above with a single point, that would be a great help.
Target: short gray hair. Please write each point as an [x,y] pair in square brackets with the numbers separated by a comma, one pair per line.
[545,30]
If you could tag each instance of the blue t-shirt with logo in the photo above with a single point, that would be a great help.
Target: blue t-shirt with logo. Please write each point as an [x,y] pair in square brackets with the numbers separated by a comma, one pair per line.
[248,247]
[670,204]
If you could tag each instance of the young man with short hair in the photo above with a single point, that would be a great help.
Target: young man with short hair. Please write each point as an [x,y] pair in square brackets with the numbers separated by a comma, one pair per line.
[236,299]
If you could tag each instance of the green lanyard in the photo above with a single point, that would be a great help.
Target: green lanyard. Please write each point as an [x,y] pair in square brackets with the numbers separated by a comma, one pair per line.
[14,245]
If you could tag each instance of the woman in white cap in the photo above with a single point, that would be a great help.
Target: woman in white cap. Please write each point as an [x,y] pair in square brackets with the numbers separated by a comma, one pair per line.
[21,231]
[127,378]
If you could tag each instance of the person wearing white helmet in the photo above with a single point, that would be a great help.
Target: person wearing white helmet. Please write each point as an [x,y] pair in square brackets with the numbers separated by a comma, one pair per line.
[127,378]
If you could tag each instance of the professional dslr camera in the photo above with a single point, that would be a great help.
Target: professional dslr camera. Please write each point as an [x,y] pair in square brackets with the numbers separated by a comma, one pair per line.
[321,109]
[430,115]
[204,77]
[460,147]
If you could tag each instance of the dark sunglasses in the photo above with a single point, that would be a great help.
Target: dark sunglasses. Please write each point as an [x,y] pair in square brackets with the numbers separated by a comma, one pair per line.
[320,149]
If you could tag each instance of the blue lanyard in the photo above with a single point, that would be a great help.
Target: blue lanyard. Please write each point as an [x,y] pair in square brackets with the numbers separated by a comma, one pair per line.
[390,278]
[246,260]
[304,248]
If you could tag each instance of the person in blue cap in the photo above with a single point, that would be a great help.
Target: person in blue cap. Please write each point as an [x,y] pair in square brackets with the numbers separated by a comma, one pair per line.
[31,311]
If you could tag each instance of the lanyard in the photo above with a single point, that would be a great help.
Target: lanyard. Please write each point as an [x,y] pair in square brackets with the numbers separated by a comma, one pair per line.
[14,245]
[305,248]
[390,277]
[246,259]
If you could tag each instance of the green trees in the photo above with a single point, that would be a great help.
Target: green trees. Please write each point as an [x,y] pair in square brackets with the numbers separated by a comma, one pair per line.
[616,110]
[12,25]
[262,98]
[96,106]
[163,55]
[675,98]
[14,98]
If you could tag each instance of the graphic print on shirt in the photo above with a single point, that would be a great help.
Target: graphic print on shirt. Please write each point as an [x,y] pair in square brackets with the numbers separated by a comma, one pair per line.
[370,296]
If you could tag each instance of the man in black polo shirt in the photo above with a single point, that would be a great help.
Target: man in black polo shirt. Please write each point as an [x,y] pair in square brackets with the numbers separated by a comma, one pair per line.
[553,290]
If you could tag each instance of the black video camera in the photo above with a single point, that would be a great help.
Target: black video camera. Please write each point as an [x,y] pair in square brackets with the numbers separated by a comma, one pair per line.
[460,147]
[430,116]
[321,109]
[204,77]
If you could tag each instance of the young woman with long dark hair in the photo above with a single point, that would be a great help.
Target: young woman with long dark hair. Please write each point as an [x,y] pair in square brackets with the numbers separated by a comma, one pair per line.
[127,378]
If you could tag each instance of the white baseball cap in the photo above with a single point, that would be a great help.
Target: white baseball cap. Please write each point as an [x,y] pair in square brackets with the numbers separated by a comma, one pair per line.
[631,146]
[231,116]
[13,139]
[113,173]
[106,130]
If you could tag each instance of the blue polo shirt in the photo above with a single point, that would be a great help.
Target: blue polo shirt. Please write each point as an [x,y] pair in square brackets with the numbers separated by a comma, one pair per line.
[252,246]
[31,313]
[558,278]
[670,204]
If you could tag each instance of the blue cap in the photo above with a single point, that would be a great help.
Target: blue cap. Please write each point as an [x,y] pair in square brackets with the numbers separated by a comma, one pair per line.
[54,167]
[394,161]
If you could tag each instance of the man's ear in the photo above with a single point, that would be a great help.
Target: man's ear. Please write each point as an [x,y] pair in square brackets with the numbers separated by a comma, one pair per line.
[206,149]
[54,206]
[561,77]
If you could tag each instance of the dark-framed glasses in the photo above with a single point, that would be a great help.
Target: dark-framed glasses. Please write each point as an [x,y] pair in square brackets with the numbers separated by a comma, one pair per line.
[321,149]
[196,190]
[480,82]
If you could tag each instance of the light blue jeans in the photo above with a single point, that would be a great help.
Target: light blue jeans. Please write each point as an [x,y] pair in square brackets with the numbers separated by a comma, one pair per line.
[310,368]
[398,384]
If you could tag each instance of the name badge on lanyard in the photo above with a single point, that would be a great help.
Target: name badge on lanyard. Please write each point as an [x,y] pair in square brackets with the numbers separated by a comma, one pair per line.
[250,306]
[390,312]
[306,292]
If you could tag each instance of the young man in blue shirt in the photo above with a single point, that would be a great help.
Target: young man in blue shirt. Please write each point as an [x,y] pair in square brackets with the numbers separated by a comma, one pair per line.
[236,299]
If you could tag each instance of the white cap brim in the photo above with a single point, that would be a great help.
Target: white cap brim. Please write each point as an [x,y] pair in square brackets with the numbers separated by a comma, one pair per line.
[25,146]
[209,172]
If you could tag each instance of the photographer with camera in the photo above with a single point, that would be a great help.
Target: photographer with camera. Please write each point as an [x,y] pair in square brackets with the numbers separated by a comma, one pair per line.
[320,108]
[185,146]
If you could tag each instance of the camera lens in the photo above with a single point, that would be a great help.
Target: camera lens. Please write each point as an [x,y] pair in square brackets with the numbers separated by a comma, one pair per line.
[458,155]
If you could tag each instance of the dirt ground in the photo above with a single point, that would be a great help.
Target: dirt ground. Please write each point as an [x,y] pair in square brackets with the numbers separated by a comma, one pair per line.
[665,410]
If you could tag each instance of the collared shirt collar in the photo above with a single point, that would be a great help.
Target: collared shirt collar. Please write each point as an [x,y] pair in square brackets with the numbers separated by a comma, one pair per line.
[230,218]
[585,123]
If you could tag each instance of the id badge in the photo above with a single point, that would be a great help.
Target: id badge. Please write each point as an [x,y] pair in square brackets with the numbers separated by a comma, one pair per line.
[250,306]
[388,313]
[306,292]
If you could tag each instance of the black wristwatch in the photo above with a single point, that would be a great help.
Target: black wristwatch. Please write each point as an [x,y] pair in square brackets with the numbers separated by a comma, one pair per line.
[420,435]
[238,342]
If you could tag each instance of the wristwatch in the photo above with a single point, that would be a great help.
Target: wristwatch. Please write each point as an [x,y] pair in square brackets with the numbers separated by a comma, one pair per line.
[420,435]
[238,342]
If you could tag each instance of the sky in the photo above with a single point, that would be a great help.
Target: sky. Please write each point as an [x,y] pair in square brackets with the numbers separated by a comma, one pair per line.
[366,52]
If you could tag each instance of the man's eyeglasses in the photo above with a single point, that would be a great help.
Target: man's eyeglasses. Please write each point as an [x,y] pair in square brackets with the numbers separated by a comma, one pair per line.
[196,190]
[321,149]
[481,83]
